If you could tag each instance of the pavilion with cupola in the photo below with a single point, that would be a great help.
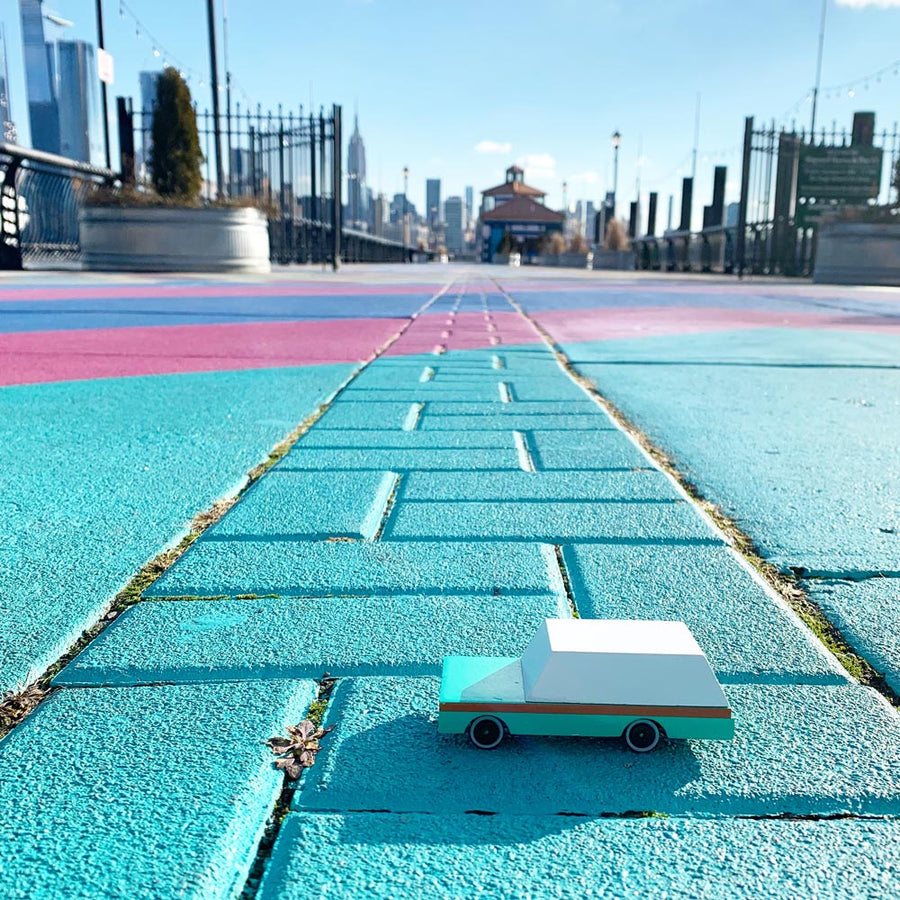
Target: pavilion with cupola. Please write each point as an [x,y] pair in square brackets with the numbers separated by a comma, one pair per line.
[515,211]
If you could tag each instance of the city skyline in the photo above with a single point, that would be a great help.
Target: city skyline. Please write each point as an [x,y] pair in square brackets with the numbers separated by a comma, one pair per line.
[634,71]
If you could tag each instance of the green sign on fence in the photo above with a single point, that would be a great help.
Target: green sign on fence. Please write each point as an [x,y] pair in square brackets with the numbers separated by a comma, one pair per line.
[839,174]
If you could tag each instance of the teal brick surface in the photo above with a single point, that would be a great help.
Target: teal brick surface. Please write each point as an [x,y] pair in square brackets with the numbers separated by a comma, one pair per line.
[666,522]
[867,614]
[405,857]
[720,601]
[798,749]
[359,568]
[585,450]
[647,484]
[226,640]
[310,505]
[368,439]
[367,459]
[142,793]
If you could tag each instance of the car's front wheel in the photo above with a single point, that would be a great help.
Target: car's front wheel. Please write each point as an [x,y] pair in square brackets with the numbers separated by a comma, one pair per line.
[486,732]
[642,735]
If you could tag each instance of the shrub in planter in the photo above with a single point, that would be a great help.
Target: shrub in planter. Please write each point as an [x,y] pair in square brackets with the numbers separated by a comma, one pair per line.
[168,229]
[175,159]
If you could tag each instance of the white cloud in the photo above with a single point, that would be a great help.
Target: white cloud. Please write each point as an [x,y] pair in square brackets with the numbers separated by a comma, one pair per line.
[492,147]
[538,167]
[861,4]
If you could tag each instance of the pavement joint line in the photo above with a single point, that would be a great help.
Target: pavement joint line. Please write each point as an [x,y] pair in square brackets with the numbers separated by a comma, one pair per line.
[566,580]
[503,388]
[17,705]
[779,586]
[282,808]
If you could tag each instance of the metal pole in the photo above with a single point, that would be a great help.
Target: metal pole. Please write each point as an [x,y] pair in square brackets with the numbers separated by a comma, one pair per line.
[227,96]
[214,70]
[405,206]
[337,175]
[741,247]
[615,177]
[103,96]
[696,138]
[815,96]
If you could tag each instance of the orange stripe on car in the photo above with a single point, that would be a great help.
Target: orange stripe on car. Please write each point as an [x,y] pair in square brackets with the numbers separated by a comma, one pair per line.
[588,709]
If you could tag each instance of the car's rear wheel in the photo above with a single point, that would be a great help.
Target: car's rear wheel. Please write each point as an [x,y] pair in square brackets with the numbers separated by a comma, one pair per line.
[486,732]
[642,735]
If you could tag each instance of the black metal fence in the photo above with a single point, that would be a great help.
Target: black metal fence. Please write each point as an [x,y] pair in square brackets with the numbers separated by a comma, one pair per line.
[40,195]
[775,231]
[287,164]
[290,165]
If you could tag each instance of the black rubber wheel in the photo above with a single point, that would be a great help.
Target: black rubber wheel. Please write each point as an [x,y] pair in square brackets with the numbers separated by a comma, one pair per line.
[486,732]
[642,735]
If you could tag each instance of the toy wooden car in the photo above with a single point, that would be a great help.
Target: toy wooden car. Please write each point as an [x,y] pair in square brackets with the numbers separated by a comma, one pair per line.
[640,680]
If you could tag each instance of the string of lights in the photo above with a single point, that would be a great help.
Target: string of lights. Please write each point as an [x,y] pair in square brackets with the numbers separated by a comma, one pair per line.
[159,51]
[141,33]
[847,88]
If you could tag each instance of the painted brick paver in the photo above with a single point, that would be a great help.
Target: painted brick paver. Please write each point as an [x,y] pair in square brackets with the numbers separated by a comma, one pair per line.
[429,511]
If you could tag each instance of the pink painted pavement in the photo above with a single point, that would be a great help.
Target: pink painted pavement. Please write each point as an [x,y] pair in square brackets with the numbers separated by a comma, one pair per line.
[32,357]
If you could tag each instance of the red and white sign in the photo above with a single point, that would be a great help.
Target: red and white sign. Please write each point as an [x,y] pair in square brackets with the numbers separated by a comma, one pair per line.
[105,66]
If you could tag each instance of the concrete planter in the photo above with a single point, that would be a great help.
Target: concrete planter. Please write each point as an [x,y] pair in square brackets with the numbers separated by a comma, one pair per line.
[567,260]
[615,259]
[858,253]
[507,259]
[162,239]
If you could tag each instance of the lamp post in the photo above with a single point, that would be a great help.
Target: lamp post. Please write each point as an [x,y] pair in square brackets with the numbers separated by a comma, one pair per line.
[616,140]
[405,207]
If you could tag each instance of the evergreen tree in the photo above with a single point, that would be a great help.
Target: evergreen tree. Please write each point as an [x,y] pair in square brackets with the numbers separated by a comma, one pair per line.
[176,157]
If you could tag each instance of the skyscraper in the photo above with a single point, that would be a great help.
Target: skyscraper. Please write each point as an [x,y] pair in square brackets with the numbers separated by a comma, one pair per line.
[43,111]
[79,102]
[470,205]
[454,213]
[433,201]
[7,128]
[356,179]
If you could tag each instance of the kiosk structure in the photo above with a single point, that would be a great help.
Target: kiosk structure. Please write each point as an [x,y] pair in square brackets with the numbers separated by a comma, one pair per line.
[639,680]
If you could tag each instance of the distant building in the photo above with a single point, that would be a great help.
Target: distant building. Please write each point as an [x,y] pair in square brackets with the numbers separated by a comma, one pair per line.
[40,78]
[455,219]
[513,212]
[433,202]
[80,135]
[7,128]
[380,215]
[732,211]
[401,204]
[470,206]
[356,180]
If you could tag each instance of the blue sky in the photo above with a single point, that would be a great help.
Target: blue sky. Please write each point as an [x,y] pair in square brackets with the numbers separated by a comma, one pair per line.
[459,90]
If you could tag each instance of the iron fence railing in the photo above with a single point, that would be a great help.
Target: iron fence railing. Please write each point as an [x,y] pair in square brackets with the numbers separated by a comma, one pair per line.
[40,195]
[776,228]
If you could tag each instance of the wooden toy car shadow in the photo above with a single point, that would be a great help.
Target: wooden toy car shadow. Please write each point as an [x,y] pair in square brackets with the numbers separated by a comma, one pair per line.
[639,680]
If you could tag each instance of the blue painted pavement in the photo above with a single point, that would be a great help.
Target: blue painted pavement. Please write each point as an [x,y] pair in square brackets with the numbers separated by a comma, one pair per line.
[97,477]
[147,793]
[404,857]
[294,637]
[165,788]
